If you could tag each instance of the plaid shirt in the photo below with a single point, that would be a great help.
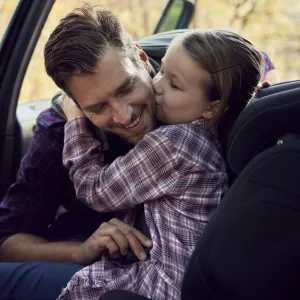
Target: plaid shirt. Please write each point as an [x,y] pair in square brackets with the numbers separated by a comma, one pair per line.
[266,65]
[43,183]
[179,175]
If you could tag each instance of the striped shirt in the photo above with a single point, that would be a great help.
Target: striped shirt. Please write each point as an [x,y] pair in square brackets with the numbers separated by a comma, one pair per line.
[177,171]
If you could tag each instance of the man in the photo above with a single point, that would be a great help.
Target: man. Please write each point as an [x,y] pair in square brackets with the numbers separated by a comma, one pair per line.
[124,87]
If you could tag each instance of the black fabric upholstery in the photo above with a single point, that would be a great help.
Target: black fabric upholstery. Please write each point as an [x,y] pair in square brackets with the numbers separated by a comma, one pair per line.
[250,248]
[279,87]
[122,295]
[276,113]
[156,45]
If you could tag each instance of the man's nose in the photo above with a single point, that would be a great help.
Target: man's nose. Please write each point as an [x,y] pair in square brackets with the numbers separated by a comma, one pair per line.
[122,114]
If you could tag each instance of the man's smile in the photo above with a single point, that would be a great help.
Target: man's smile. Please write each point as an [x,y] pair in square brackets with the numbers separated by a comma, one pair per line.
[136,121]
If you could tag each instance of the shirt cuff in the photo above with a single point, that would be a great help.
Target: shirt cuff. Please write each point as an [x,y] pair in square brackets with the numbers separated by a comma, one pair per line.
[77,126]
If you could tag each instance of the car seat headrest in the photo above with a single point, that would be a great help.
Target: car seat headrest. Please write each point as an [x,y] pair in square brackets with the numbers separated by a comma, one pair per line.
[275,113]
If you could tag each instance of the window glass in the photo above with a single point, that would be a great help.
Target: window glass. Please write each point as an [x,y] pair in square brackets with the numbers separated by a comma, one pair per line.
[273,26]
[7,8]
[172,16]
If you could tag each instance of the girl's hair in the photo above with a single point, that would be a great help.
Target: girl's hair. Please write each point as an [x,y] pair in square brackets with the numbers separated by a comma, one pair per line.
[234,65]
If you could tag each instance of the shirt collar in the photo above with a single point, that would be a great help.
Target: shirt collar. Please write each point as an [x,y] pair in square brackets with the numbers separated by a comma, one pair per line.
[204,123]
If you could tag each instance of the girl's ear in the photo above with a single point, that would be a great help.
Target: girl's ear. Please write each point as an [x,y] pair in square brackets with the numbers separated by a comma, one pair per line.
[211,110]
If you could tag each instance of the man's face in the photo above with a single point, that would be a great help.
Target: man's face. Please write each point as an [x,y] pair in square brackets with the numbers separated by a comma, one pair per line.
[118,97]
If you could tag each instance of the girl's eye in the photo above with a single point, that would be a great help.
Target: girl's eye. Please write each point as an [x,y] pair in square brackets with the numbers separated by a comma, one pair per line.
[173,85]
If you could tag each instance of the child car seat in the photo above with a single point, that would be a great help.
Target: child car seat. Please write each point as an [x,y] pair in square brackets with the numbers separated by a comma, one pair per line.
[250,248]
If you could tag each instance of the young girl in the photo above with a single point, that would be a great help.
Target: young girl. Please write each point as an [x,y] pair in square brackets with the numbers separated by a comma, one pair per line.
[177,171]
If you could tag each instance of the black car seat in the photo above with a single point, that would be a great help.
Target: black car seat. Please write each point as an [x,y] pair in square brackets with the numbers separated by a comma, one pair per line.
[251,247]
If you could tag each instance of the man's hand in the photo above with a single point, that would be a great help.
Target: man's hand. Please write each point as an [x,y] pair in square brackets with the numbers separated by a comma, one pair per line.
[115,237]
[265,84]
[69,107]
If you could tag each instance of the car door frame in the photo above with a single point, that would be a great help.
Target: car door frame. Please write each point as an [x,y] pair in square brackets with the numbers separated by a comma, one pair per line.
[16,49]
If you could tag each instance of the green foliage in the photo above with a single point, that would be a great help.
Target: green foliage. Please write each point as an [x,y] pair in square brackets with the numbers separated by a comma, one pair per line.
[171,18]
[6,11]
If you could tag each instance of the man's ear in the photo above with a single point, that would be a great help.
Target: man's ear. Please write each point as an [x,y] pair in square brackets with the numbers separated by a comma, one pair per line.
[144,58]
[211,110]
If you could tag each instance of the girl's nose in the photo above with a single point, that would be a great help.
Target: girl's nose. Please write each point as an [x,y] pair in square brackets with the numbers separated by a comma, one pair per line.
[158,90]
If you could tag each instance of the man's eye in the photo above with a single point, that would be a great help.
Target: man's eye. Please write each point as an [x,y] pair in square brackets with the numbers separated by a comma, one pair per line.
[98,109]
[128,90]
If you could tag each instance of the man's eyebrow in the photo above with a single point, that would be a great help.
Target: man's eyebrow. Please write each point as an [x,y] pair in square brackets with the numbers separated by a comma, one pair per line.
[126,86]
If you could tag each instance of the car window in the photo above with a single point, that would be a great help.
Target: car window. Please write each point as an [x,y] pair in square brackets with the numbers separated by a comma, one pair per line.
[273,26]
[37,85]
[6,11]
[171,18]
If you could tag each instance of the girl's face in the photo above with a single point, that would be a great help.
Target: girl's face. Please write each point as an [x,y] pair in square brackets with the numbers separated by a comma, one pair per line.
[181,88]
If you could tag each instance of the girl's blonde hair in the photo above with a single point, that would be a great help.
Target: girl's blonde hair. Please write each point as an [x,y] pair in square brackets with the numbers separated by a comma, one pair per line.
[234,65]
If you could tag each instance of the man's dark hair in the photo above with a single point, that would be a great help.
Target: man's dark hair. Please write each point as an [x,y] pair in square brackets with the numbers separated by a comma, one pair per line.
[81,39]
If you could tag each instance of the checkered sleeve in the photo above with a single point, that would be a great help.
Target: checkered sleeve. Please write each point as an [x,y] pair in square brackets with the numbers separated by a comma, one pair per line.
[31,202]
[266,65]
[146,173]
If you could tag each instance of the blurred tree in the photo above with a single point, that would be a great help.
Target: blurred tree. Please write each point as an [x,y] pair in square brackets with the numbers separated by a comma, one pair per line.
[242,15]
[272,25]
[6,11]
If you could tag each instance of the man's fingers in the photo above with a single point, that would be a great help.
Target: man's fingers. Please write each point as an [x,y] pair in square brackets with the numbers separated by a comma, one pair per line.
[120,239]
[135,245]
[108,245]
[131,235]
[145,241]
[125,236]
[142,238]
[112,248]
[116,234]
[265,84]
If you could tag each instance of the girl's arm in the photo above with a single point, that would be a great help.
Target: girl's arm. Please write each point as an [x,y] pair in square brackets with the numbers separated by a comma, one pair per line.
[146,173]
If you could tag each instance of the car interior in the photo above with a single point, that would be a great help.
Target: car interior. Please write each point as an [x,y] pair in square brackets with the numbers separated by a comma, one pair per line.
[17,45]
[263,155]
[266,173]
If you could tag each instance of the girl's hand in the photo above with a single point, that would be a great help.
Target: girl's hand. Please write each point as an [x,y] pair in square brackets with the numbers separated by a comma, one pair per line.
[69,107]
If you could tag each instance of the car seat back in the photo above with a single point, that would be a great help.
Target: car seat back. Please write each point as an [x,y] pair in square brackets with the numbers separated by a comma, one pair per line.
[275,113]
[250,248]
